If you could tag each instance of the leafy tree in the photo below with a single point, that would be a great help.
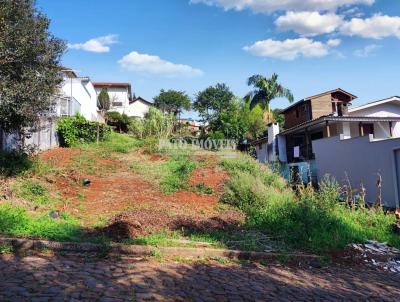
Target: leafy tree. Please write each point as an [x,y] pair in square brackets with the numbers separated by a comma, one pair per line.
[265,90]
[29,64]
[255,120]
[104,100]
[212,101]
[172,101]
[279,117]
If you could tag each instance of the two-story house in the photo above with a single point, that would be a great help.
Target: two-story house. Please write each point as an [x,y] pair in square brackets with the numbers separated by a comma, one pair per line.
[318,118]
[120,95]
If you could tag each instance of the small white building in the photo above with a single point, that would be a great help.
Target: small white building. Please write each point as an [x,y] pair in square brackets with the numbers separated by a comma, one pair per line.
[120,95]
[139,107]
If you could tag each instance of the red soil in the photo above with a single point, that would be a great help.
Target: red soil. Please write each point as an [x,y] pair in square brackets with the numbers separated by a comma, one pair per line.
[60,157]
[138,206]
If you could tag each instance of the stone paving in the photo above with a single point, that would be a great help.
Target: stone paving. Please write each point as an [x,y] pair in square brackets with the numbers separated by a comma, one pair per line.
[70,278]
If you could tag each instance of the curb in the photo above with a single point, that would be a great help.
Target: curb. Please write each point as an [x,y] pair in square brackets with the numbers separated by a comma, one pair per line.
[22,244]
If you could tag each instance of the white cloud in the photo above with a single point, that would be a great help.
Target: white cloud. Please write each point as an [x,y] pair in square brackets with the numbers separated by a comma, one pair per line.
[367,51]
[334,42]
[150,64]
[100,44]
[267,6]
[309,23]
[376,27]
[291,49]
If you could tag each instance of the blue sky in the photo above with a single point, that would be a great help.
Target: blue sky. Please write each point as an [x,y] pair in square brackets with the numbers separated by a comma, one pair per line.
[313,45]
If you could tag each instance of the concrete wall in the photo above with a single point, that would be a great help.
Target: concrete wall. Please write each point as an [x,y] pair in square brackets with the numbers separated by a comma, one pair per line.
[41,137]
[261,152]
[137,109]
[362,158]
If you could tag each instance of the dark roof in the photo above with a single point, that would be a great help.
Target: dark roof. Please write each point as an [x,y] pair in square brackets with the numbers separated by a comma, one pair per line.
[347,118]
[139,98]
[318,95]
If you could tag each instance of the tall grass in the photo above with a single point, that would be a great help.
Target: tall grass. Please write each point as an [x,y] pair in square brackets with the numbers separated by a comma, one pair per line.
[312,220]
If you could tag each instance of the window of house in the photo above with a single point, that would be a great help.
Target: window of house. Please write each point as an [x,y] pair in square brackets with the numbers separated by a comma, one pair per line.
[260,146]
[368,129]
[297,113]
[117,104]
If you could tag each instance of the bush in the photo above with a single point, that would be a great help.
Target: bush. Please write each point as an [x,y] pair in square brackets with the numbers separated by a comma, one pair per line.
[120,122]
[313,220]
[76,129]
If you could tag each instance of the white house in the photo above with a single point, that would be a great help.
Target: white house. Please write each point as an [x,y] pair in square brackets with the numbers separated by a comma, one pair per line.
[80,96]
[139,107]
[120,95]
[389,107]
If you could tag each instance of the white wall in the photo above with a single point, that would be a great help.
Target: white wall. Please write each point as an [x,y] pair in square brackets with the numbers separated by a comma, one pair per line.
[117,94]
[138,109]
[381,129]
[382,110]
[84,92]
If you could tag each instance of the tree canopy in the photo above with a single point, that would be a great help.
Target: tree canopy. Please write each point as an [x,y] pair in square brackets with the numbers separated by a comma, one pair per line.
[228,116]
[265,90]
[29,64]
[172,101]
[212,101]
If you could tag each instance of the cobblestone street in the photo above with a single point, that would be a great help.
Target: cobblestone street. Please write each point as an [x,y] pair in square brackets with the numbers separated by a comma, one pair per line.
[68,278]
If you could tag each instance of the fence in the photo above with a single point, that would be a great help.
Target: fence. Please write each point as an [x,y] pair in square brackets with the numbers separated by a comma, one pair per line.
[41,137]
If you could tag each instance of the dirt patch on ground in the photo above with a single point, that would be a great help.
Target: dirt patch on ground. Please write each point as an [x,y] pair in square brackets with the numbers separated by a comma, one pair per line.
[60,157]
[157,157]
[142,222]
[135,206]
[211,177]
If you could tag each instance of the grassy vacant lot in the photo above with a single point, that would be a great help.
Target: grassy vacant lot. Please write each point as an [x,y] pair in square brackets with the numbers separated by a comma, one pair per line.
[142,195]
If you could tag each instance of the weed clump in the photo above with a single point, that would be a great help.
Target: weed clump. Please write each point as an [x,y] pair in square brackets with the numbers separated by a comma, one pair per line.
[312,220]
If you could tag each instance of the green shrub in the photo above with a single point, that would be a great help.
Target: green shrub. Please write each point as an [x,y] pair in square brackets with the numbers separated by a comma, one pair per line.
[119,121]
[313,220]
[76,129]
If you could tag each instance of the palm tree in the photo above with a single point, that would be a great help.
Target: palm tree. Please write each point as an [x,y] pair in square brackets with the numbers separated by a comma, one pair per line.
[265,90]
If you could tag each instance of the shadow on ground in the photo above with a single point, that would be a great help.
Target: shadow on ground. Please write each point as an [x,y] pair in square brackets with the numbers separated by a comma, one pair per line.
[65,278]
